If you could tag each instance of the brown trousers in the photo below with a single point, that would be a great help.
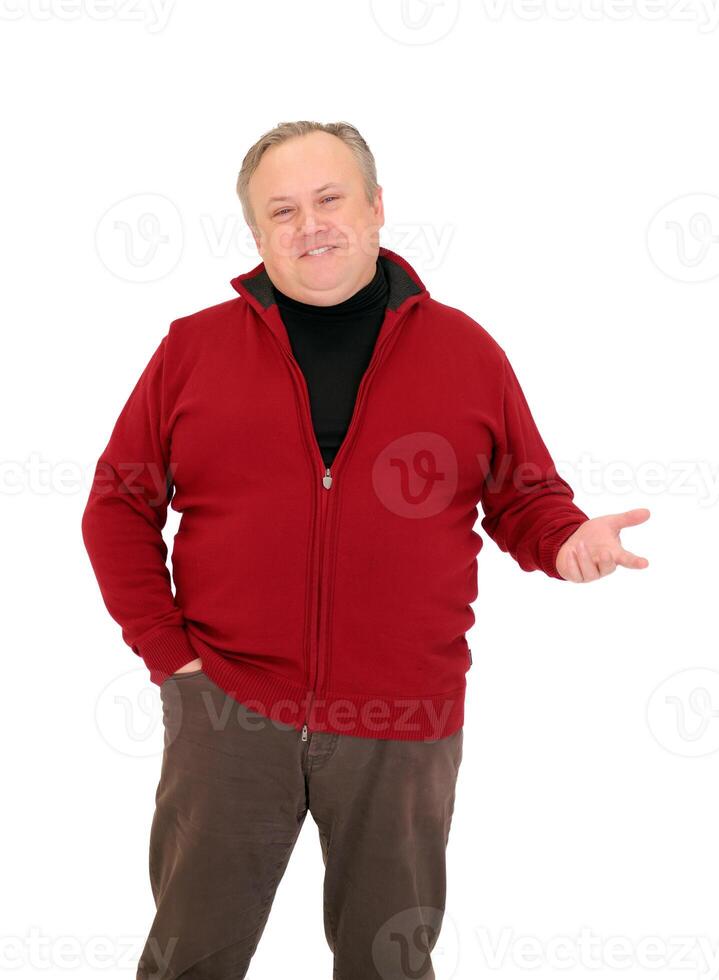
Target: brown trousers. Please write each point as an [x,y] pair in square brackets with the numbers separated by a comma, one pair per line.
[234,791]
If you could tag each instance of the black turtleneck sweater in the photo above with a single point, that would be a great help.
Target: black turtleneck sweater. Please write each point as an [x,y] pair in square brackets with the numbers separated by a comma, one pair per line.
[333,346]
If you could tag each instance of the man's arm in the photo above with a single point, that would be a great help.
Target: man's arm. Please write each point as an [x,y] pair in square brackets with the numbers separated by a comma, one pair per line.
[122,527]
[529,509]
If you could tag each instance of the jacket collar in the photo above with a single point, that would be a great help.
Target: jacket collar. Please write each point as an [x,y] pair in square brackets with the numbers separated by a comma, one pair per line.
[405,290]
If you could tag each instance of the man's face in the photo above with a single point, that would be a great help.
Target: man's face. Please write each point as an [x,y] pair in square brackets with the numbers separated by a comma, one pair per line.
[306,193]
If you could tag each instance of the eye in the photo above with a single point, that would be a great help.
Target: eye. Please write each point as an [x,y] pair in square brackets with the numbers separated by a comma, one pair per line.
[330,197]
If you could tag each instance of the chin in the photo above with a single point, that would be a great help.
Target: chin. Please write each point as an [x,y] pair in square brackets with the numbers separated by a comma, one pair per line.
[326,278]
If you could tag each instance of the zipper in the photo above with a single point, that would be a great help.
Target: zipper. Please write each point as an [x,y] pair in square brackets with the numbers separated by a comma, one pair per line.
[325,483]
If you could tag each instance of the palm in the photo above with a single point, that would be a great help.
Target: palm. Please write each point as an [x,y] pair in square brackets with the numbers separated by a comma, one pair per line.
[595,549]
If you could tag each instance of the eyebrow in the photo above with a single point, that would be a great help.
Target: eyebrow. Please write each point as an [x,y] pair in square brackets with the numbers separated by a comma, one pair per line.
[319,190]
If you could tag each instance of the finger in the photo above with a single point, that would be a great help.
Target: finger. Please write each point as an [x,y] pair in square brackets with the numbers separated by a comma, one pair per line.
[586,564]
[606,562]
[628,518]
[629,560]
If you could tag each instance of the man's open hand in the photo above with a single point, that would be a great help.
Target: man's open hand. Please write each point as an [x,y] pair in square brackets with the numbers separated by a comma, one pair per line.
[594,550]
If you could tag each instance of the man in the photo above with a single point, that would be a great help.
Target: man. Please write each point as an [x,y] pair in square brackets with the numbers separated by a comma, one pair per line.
[327,437]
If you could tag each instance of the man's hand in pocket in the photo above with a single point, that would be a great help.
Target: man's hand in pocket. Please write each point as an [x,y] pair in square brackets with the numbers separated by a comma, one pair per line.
[193,665]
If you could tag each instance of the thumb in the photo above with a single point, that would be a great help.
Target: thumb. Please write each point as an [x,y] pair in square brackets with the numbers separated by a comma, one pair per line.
[628,518]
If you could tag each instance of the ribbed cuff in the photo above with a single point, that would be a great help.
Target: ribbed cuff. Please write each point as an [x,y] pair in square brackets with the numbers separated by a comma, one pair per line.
[166,651]
[550,545]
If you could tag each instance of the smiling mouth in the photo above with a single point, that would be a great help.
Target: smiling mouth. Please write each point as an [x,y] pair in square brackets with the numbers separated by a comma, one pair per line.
[320,250]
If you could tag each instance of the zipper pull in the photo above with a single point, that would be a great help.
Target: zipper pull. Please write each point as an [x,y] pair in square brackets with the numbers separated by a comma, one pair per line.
[304,733]
[327,479]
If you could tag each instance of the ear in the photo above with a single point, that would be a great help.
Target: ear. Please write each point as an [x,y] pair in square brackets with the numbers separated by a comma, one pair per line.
[379,207]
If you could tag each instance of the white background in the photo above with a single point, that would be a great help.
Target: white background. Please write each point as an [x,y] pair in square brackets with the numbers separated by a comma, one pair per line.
[552,170]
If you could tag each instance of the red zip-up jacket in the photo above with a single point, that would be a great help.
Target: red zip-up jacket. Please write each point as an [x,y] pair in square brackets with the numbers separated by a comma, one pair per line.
[328,599]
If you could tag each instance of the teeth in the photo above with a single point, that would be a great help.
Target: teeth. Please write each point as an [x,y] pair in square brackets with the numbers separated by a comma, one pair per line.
[319,251]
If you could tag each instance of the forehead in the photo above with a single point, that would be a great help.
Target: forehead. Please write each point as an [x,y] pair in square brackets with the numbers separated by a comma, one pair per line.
[304,165]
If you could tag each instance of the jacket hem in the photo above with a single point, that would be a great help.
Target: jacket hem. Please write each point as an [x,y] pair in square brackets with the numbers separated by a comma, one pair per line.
[165,652]
[420,717]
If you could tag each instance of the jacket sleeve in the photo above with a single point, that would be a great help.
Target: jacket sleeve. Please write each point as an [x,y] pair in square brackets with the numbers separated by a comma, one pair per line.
[528,507]
[122,527]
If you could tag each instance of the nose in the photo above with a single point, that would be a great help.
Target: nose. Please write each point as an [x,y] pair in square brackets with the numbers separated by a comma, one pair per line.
[310,222]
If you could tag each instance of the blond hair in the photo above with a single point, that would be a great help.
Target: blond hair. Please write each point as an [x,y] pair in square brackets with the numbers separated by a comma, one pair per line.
[345,131]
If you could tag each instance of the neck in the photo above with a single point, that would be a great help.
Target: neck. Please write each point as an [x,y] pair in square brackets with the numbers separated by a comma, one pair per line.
[372,293]
[337,297]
